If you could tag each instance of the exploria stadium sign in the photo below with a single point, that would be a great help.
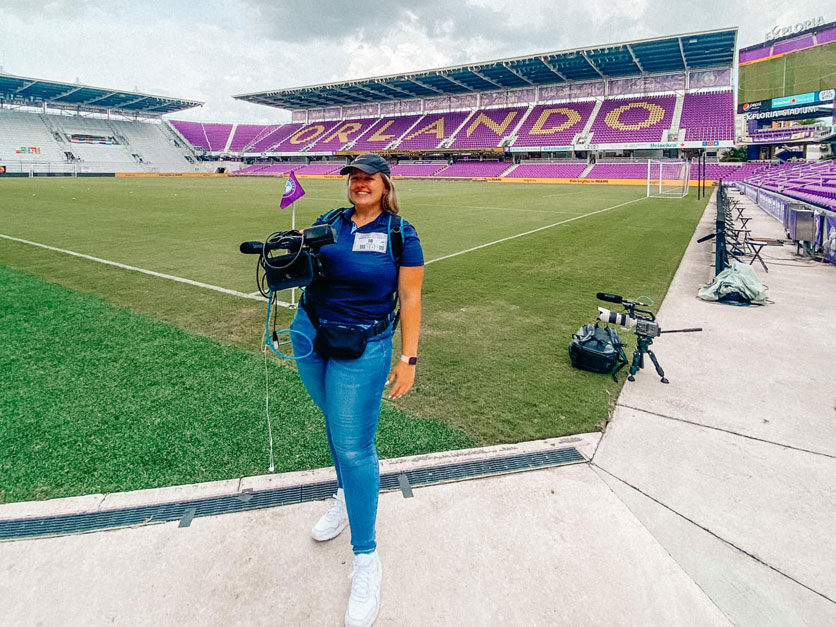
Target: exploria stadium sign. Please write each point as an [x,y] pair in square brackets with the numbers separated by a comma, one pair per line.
[766,115]
[783,31]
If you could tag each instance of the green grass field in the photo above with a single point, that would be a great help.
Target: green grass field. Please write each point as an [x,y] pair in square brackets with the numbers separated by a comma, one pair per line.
[118,380]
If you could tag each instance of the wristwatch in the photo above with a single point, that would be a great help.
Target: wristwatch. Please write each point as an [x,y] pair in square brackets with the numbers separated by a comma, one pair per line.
[409,360]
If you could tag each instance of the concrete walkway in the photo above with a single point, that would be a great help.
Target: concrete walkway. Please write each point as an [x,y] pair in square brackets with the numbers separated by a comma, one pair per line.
[732,467]
[709,501]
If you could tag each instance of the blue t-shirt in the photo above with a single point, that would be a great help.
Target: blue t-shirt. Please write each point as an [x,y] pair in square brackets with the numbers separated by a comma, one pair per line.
[361,277]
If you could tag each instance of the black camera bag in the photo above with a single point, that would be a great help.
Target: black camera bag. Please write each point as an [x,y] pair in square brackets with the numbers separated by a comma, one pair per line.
[342,341]
[597,349]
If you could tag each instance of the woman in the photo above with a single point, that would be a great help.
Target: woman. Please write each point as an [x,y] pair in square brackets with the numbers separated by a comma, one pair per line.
[363,280]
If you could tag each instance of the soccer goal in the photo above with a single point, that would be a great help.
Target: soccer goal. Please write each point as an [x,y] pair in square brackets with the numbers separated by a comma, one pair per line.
[668,179]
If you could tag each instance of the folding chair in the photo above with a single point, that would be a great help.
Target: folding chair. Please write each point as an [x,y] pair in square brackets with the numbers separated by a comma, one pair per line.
[756,247]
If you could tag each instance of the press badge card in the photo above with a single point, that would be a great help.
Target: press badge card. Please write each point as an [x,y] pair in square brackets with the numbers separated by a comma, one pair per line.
[370,242]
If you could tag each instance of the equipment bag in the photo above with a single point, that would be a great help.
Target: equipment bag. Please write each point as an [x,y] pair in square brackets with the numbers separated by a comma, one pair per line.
[597,349]
[342,341]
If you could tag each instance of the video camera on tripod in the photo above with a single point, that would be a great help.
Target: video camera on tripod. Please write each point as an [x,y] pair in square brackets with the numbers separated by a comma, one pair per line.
[297,267]
[600,349]
[643,321]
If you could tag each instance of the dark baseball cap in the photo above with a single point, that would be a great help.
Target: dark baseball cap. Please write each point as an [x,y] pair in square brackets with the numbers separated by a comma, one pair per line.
[369,163]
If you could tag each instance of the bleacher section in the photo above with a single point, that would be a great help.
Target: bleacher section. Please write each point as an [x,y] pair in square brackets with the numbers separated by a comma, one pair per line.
[708,116]
[618,171]
[193,132]
[487,127]
[389,129]
[813,182]
[247,134]
[629,120]
[44,143]
[554,125]
[321,168]
[272,169]
[25,137]
[305,136]
[344,134]
[705,116]
[433,129]
[418,169]
[475,169]
[729,171]
[536,170]
[272,136]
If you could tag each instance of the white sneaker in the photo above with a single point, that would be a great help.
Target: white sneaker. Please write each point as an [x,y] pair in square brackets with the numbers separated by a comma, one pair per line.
[334,521]
[364,602]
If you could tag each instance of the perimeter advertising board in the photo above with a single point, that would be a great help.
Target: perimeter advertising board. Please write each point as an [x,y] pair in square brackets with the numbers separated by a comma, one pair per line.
[812,98]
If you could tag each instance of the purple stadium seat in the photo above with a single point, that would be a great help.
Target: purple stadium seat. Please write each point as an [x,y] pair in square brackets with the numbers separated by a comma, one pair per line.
[570,170]
[432,130]
[475,169]
[246,134]
[618,171]
[307,134]
[622,120]
[193,132]
[407,168]
[217,135]
[487,127]
[708,116]
[320,168]
[554,124]
[272,137]
[387,130]
[343,134]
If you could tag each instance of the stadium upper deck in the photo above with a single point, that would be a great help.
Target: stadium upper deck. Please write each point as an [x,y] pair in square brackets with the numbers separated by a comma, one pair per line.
[36,92]
[663,55]
[621,95]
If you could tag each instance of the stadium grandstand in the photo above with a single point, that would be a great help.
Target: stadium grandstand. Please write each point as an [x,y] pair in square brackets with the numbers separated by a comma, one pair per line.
[594,114]
[590,113]
[53,128]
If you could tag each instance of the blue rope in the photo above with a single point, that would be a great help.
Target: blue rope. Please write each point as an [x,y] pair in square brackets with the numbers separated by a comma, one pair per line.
[269,342]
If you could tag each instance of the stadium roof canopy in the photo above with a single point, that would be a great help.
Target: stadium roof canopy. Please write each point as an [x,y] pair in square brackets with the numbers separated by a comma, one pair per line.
[693,51]
[35,92]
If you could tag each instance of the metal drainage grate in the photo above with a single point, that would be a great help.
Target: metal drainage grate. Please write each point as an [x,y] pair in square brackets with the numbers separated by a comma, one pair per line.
[246,501]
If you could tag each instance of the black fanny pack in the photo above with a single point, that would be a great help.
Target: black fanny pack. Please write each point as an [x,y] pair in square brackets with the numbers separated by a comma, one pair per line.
[342,341]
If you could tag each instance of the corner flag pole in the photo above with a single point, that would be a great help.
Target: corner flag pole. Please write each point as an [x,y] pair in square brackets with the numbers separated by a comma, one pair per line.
[293,228]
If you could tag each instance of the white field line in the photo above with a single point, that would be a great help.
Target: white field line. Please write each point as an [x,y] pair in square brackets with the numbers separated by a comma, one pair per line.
[254,296]
[542,228]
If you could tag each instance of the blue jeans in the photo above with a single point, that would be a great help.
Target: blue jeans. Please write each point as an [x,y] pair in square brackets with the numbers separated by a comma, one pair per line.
[349,391]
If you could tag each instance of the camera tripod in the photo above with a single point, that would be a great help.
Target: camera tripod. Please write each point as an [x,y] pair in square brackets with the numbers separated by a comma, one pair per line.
[643,347]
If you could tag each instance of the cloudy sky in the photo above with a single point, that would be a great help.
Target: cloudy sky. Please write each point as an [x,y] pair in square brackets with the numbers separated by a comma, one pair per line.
[208,50]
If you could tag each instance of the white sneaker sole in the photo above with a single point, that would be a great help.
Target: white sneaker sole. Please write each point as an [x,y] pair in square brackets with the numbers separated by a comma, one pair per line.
[369,620]
[328,535]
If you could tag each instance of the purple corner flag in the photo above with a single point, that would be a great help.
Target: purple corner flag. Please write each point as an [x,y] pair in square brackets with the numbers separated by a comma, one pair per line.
[292,191]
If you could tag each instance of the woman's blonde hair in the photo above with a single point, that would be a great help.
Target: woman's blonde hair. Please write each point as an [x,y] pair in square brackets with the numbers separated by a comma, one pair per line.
[389,202]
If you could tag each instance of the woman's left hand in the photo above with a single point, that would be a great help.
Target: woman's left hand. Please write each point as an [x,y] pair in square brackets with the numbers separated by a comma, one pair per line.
[403,376]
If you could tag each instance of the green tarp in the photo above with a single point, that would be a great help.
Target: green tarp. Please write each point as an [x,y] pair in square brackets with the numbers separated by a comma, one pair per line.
[740,279]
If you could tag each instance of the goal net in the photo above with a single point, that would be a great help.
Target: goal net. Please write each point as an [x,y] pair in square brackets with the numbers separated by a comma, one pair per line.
[668,179]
